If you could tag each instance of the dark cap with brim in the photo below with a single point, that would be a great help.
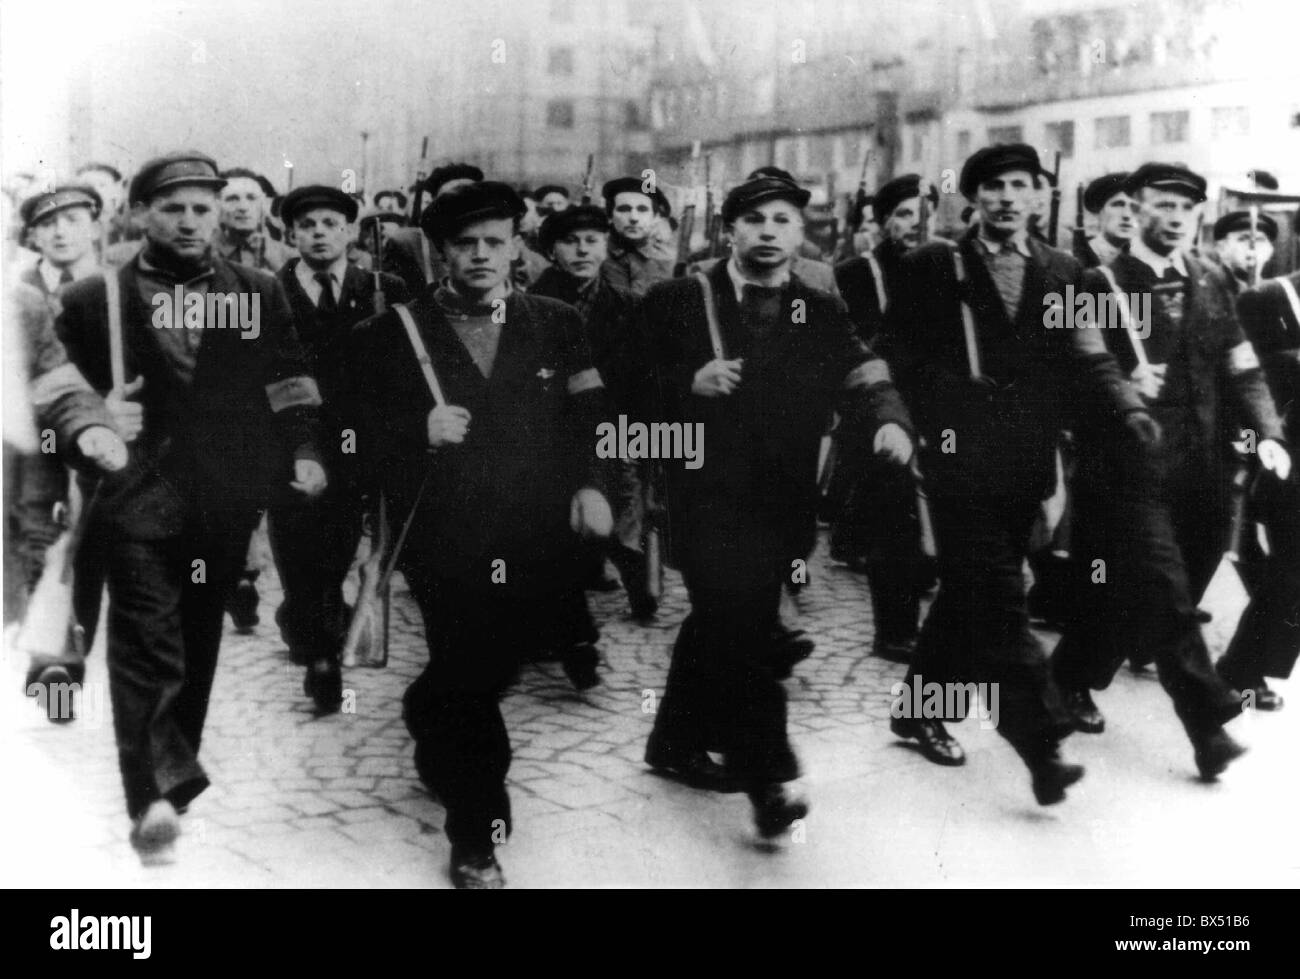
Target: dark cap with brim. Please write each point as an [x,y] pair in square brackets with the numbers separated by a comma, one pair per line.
[895,192]
[1167,176]
[40,206]
[187,167]
[1240,221]
[317,195]
[452,171]
[460,207]
[1098,193]
[584,217]
[991,161]
[634,185]
[752,193]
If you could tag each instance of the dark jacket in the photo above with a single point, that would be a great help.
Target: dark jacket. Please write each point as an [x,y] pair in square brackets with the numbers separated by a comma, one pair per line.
[404,252]
[1000,435]
[857,284]
[215,444]
[504,492]
[1273,326]
[762,441]
[1221,397]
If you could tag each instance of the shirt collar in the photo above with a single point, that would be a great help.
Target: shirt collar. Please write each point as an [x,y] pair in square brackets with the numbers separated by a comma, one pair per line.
[738,280]
[158,272]
[1018,242]
[307,275]
[1157,263]
[450,299]
[50,275]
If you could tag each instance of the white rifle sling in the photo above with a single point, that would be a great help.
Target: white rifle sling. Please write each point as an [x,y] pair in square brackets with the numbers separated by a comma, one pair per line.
[967,319]
[421,353]
[1289,290]
[711,315]
[116,356]
[878,278]
[1121,300]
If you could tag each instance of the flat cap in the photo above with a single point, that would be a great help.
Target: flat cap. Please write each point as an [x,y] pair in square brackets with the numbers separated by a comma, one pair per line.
[1167,176]
[1100,191]
[395,194]
[1240,221]
[584,217]
[462,206]
[634,185]
[895,192]
[317,195]
[759,191]
[452,171]
[174,170]
[40,206]
[987,163]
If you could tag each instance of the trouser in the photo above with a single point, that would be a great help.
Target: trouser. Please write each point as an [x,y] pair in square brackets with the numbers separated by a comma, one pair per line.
[477,638]
[34,484]
[313,543]
[877,523]
[977,629]
[1134,596]
[1267,640]
[166,602]
[722,689]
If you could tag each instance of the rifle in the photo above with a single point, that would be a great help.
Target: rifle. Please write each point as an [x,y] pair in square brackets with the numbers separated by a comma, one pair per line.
[710,229]
[421,174]
[367,639]
[586,179]
[1079,238]
[923,218]
[1241,522]
[1054,214]
[378,302]
[685,229]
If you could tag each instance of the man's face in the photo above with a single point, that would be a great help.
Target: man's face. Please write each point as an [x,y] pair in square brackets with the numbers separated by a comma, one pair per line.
[478,257]
[242,204]
[181,221]
[580,252]
[634,215]
[552,203]
[66,236]
[1168,219]
[903,226]
[321,235]
[1117,219]
[1237,255]
[1005,202]
[109,189]
[767,236]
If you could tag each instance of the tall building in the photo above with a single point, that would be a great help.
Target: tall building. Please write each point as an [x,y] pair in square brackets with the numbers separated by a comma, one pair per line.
[528,91]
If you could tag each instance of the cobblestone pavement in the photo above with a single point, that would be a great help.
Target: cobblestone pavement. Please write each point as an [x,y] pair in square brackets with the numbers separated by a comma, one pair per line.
[300,801]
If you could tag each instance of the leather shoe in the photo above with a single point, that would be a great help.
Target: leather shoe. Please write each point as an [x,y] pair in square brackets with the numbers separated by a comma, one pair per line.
[154,833]
[1265,699]
[774,811]
[476,870]
[242,606]
[52,688]
[691,767]
[895,650]
[579,663]
[1214,752]
[1087,718]
[935,741]
[324,684]
[789,647]
[1052,777]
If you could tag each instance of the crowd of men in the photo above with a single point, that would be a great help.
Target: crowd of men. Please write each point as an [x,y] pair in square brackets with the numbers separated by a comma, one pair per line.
[447,358]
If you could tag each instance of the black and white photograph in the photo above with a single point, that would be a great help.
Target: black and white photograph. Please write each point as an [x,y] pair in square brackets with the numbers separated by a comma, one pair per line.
[651,444]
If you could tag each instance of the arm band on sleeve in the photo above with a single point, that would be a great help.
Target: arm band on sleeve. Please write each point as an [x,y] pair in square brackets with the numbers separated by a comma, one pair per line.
[585,380]
[868,373]
[293,391]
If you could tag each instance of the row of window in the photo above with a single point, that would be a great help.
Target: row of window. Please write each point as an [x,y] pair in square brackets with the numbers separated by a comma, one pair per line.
[1113,132]
[561,114]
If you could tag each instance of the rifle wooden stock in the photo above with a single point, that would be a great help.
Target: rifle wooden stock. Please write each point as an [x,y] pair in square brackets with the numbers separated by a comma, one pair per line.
[685,230]
[1054,213]
[367,639]
[586,179]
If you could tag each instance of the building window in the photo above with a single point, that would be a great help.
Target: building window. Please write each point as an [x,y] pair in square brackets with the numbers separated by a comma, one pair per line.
[1229,121]
[1170,127]
[963,144]
[559,114]
[562,11]
[1006,134]
[632,115]
[560,61]
[1060,137]
[917,144]
[1113,132]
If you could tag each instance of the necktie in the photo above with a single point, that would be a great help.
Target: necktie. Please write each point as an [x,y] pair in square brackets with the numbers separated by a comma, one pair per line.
[65,277]
[326,303]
